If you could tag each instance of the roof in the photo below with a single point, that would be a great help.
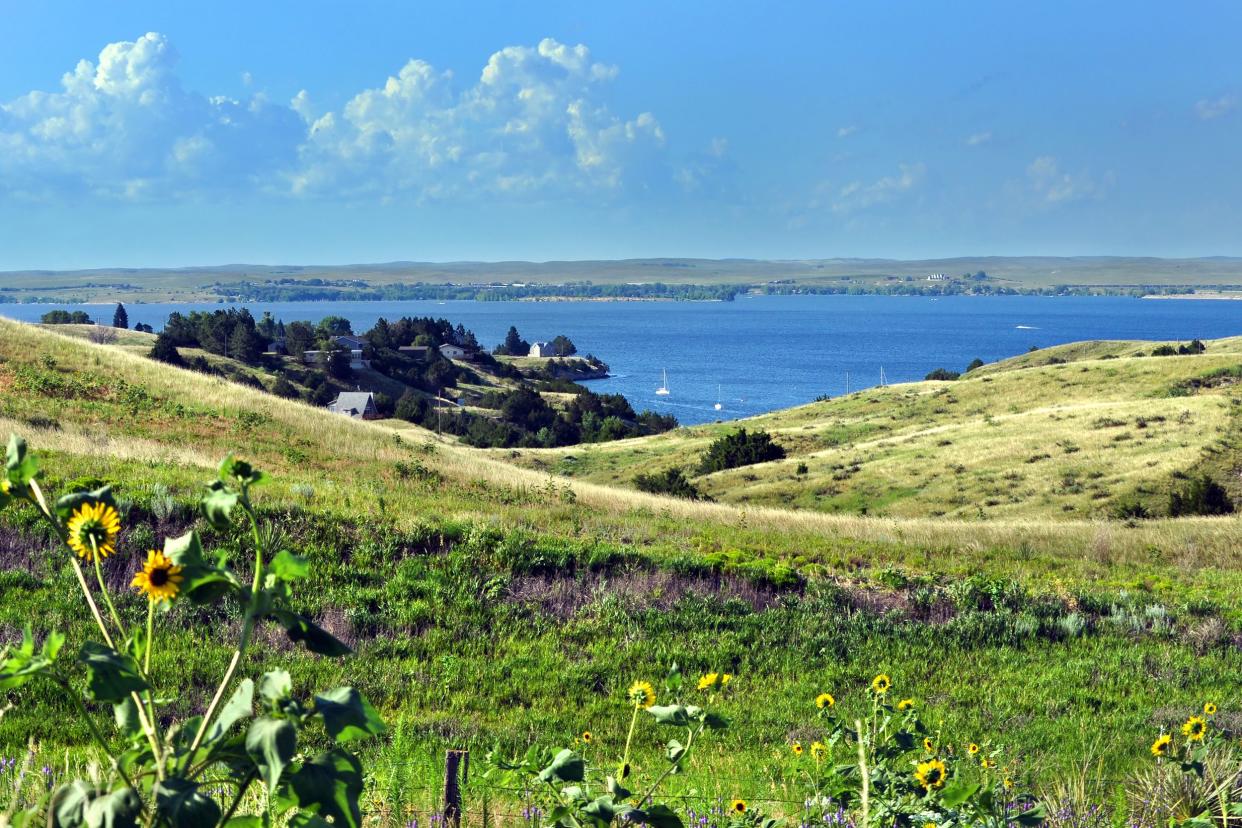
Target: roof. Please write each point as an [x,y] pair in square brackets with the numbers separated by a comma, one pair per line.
[350,339]
[353,401]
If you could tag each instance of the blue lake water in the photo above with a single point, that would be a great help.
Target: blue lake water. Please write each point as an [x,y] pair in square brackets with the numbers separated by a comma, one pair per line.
[769,352]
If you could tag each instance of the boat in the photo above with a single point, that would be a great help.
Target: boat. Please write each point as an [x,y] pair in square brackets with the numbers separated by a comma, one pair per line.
[663,389]
[718,404]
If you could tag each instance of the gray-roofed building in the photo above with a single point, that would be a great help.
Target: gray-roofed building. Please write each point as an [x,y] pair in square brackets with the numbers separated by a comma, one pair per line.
[357,404]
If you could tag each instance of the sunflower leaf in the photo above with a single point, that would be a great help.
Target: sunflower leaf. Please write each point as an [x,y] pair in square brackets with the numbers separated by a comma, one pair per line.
[110,676]
[19,464]
[201,582]
[317,640]
[957,793]
[238,708]
[566,766]
[66,505]
[347,715]
[328,787]
[180,802]
[218,505]
[271,743]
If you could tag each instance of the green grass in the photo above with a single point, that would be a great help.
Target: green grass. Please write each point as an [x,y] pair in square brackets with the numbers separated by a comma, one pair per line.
[493,605]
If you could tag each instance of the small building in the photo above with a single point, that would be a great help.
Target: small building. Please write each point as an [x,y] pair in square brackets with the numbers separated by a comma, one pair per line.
[541,349]
[938,277]
[276,346]
[453,351]
[357,404]
[422,353]
[355,358]
[353,343]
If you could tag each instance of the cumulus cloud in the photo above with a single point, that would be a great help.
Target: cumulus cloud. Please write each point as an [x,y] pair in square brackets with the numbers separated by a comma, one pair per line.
[1053,185]
[859,195]
[978,139]
[846,131]
[1210,109]
[533,122]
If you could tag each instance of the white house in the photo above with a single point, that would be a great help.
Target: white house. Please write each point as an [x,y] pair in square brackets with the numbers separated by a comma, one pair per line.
[452,351]
[938,277]
[541,349]
[355,358]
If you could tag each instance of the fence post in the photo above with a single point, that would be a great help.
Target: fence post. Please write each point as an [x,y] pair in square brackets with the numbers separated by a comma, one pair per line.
[456,772]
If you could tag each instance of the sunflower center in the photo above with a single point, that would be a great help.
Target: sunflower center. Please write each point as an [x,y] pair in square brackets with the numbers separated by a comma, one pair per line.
[158,577]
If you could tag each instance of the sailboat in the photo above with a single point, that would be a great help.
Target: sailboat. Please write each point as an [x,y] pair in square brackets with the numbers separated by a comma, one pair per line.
[718,405]
[663,389]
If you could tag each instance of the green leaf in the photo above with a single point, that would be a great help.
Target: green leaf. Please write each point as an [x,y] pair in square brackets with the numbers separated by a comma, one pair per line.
[715,721]
[275,687]
[218,505]
[22,664]
[182,804]
[618,792]
[238,708]
[317,640]
[660,816]
[672,682]
[65,506]
[674,751]
[19,465]
[347,715]
[672,714]
[239,472]
[958,792]
[110,676]
[244,822]
[201,582]
[78,805]
[566,766]
[329,786]
[126,714]
[1033,816]
[604,809]
[286,566]
[271,743]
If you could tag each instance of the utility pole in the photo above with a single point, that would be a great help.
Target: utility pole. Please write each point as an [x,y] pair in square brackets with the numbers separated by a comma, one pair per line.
[439,408]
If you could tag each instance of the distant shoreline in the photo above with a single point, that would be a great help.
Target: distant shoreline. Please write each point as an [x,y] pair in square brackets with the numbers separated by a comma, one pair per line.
[1227,297]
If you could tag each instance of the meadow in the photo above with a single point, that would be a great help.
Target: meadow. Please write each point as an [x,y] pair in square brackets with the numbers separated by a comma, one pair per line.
[493,607]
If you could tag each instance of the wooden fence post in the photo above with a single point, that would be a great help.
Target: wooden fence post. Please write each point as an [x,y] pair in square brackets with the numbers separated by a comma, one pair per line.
[456,773]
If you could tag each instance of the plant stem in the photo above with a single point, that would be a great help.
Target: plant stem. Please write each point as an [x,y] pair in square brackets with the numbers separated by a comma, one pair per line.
[672,766]
[241,791]
[625,758]
[94,729]
[865,774]
[103,589]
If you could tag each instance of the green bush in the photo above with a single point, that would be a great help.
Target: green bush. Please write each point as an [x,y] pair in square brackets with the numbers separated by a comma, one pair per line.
[741,448]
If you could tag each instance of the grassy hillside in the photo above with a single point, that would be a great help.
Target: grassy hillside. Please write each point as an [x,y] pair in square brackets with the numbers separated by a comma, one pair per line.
[491,604]
[1070,432]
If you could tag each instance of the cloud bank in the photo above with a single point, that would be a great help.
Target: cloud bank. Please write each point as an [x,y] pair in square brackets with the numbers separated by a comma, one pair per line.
[533,124]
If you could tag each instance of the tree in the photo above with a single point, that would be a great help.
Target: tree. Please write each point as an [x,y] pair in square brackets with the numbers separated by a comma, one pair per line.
[740,449]
[672,482]
[335,360]
[299,338]
[1201,496]
[563,346]
[120,319]
[143,327]
[334,326]
[513,345]
[245,344]
[60,317]
[942,374]
[266,326]
[974,363]
[165,349]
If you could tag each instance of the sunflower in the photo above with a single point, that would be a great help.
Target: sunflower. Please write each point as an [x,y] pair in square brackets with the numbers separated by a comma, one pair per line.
[824,700]
[1195,728]
[905,704]
[1209,709]
[987,763]
[1008,783]
[796,747]
[159,578]
[93,528]
[880,684]
[972,749]
[587,737]
[1160,747]
[738,806]
[725,679]
[929,745]
[819,750]
[641,694]
[929,825]
[709,681]
[930,774]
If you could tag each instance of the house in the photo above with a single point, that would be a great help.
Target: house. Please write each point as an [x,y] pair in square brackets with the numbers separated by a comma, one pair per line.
[355,358]
[422,353]
[357,404]
[938,277]
[453,351]
[276,346]
[541,349]
[353,343]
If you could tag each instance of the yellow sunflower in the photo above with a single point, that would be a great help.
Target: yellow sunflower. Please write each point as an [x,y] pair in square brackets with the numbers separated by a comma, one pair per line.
[709,681]
[725,679]
[159,578]
[929,745]
[929,825]
[1195,728]
[93,528]
[796,747]
[1008,784]
[1209,709]
[824,700]
[880,684]
[819,750]
[987,763]
[641,694]
[587,737]
[1160,747]
[738,806]
[972,748]
[905,704]
[930,774]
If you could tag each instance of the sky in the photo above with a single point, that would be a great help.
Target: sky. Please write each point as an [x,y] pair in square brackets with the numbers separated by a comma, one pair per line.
[165,134]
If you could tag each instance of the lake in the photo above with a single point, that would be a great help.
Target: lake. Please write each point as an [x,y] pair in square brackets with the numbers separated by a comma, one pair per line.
[768,352]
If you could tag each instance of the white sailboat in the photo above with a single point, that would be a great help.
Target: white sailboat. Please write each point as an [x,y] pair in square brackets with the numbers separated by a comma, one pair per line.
[663,389]
[718,404]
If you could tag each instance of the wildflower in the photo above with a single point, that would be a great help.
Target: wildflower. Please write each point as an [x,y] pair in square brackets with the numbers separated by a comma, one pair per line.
[972,749]
[709,681]
[93,528]
[160,578]
[1160,747]
[641,694]
[930,774]
[929,825]
[1209,709]
[929,745]
[1195,728]
[1008,783]
[725,679]
[796,747]
[824,700]
[880,684]
[738,806]
[905,704]
[819,750]
[987,763]
[586,737]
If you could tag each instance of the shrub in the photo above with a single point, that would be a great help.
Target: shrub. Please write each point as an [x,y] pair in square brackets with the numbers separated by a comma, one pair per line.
[1201,496]
[672,482]
[741,448]
[943,374]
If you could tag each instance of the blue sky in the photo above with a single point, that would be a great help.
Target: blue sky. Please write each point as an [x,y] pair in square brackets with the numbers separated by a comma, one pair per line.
[156,133]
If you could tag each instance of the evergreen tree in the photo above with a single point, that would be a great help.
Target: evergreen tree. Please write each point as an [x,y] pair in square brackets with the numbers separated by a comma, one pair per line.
[120,319]
[165,349]
[514,345]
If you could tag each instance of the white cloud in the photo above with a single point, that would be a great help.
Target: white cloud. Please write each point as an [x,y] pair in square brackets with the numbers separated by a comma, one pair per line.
[1053,185]
[858,195]
[534,122]
[1211,109]
[978,139]
[847,131]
